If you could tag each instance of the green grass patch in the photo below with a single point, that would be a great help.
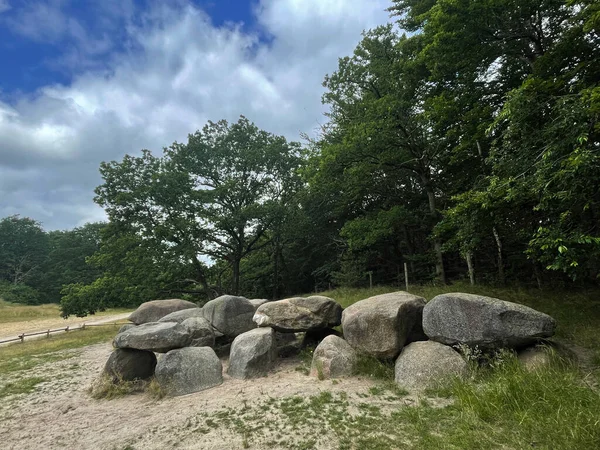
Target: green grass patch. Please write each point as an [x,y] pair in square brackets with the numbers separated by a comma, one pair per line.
[17,357]
[371,367]
[504,408]
[22,386]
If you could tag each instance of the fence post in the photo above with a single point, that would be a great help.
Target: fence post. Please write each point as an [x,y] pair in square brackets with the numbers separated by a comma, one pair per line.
[22,337]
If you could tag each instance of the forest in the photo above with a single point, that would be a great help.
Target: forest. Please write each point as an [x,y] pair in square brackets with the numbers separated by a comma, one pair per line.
[462,141]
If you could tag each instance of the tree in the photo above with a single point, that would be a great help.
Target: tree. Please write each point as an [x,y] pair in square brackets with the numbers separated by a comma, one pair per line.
[66,260]
[380,144]
[23,248]
[216,196]
[534,64]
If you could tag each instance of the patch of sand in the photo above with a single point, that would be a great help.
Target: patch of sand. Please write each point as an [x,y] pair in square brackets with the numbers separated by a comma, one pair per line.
[61,413]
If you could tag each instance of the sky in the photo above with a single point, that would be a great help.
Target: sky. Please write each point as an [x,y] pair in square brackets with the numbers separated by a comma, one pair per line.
[86,81]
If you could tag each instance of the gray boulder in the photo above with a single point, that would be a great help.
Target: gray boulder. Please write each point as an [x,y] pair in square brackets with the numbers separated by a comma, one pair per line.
[230,315]
[130,364]
[333,358]
[188,370]
[126,327]
[486,322]
[252,354]
[201,332]
[381,325]
[155,337]
[423,364]
[156,309]
[180,316]
[256,302]
[299,314]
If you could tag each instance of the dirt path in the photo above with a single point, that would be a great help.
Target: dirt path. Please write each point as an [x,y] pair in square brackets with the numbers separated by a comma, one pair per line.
[12,330]
[61,414]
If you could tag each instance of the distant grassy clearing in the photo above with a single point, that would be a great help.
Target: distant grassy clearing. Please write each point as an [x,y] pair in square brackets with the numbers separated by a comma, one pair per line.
[25,356]
[11,312]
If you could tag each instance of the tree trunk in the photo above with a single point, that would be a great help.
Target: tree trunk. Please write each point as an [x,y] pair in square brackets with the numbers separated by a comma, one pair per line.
[201,276]
[439,266]
[469,258]
[501,277]
[236,275]
[276,270]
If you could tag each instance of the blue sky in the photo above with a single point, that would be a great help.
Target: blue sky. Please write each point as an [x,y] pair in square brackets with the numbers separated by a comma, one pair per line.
[85,81]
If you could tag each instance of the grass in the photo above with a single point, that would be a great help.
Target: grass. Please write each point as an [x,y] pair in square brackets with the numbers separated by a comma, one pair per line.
[105,388]
[12,312]
[21,386]
[18,357]
[504,408]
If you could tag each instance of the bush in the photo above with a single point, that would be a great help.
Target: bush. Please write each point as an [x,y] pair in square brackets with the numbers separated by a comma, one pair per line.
[19,293]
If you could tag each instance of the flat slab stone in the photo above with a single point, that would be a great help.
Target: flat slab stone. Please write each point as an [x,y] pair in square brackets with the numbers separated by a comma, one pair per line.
[299,314]
[155,310]
[156,337]
[487,322]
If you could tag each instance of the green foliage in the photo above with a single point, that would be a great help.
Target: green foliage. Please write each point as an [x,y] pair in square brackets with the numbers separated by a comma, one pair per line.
[18,293]
[23,248]
[219,195]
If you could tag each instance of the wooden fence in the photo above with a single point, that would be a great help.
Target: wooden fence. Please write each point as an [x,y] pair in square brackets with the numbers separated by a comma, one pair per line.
[21,337]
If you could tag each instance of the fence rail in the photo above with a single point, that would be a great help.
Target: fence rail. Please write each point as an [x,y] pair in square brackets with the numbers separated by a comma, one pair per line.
[21,337]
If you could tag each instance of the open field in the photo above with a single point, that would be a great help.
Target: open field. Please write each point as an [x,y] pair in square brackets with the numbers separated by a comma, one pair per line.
[46,403]
[16,319]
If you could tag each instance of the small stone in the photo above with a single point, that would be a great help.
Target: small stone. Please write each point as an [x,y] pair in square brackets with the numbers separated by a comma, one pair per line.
[333,358]
[423,364]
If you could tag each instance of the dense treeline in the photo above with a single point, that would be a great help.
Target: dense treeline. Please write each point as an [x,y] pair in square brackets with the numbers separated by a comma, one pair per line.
[467,148]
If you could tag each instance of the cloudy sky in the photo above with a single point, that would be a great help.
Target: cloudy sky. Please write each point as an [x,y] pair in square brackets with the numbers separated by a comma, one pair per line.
[88,81]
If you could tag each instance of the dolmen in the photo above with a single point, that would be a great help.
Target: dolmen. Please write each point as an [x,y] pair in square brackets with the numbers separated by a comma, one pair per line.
[422,339]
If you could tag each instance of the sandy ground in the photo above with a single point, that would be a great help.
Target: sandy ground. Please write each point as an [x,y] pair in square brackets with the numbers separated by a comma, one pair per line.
[11,330]
[61,414]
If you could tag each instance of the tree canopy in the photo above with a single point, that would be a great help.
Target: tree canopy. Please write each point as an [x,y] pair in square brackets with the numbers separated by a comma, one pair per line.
[462,141]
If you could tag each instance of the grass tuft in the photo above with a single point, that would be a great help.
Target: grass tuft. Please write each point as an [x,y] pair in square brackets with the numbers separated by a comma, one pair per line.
[106,388]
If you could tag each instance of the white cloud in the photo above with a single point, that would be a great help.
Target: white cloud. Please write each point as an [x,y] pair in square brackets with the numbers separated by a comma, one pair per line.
[178,72]
[4,6]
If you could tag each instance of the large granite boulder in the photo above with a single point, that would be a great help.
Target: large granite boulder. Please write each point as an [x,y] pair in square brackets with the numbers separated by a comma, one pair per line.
[256,302]
[252,354]
[333,358]
[155,310]
[155,337]
[230,315]
[423,364]
[381,325]
[187,370]
[299,314]
[486,322]
[125,364]
[125,327]
[201,332]
[184,314]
